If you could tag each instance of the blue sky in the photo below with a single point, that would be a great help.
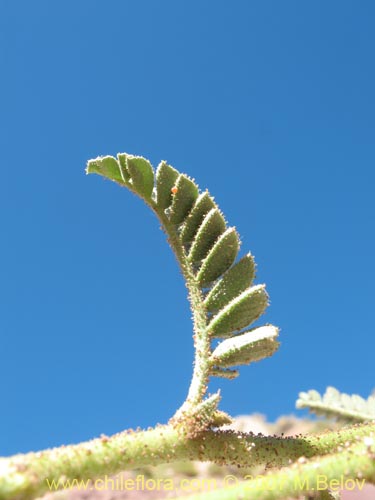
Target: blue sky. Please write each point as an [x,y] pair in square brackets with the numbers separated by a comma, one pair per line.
[270,105]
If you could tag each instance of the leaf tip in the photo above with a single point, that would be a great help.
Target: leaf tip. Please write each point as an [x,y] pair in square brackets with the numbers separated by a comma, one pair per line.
[93,166]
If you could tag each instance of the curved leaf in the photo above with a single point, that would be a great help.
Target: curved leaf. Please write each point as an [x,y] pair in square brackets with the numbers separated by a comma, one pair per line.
[183,199]
[141,175]
[212,227]
[121,157]
[222,299]
[246,348]
[107,166]
[220,257]
[237,279]
[165,179]
[202,206]
[239,313]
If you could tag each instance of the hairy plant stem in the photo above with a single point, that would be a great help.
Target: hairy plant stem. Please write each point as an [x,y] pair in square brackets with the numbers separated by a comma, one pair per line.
[201,370]
[345,469]
[199,382]
[23,477]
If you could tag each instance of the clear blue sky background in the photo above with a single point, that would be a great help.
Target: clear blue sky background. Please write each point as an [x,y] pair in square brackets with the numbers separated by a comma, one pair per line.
[271,106]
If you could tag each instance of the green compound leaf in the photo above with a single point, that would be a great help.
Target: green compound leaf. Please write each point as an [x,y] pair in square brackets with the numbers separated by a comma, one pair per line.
[344,407]
[141,175]
[209,231]
[237,279]
[220,257]
[183,199]
[246,348]
[239,313]
[107,166]
[195,218]
[222,297]
[165,180]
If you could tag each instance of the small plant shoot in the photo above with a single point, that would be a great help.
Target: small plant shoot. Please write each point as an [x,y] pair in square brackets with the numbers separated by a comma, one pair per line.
[225,301]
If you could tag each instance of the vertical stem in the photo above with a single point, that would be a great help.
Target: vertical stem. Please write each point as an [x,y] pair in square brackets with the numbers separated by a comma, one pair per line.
[198,385]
